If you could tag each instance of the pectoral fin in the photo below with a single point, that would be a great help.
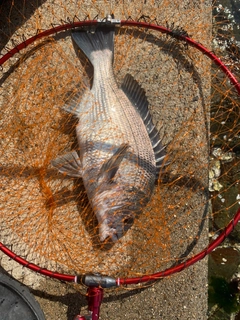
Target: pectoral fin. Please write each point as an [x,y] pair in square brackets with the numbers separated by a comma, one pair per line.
[110,166]
[68,164]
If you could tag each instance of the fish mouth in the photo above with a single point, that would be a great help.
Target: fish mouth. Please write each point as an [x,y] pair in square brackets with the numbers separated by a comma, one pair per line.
[106,232]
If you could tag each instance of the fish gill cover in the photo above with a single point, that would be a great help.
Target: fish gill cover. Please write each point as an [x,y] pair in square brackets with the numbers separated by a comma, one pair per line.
[46,216]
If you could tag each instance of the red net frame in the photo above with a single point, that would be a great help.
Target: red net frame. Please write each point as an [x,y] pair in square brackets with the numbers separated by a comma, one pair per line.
[179,267]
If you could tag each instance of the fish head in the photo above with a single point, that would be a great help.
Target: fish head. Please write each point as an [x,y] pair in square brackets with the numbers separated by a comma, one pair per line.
[115,225]
[115,214]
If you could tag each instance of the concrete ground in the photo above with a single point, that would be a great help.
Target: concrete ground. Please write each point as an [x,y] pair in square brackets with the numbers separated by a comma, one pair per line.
[182,296]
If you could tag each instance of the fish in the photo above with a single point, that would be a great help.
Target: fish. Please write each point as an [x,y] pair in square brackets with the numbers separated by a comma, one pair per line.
[120,152]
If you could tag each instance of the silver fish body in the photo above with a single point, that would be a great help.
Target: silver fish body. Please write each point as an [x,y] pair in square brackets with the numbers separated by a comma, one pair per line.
[120,150]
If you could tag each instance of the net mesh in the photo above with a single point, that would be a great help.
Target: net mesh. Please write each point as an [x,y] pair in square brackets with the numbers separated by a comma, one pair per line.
[46,216]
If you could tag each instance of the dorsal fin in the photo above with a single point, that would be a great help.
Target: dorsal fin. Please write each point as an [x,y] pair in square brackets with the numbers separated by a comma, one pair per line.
[137,96]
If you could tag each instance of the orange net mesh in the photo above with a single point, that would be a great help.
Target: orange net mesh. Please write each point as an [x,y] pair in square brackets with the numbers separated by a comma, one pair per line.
[45,216]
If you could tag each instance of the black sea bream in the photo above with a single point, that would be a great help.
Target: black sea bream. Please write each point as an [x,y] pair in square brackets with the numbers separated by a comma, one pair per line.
[120,153]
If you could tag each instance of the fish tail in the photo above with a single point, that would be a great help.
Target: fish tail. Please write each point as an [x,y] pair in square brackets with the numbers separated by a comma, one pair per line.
[101,40]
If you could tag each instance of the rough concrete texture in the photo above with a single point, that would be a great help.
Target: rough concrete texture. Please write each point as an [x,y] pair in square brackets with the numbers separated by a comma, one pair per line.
[177,79]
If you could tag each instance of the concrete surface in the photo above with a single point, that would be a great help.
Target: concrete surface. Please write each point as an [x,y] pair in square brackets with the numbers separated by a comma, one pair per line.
[164,69]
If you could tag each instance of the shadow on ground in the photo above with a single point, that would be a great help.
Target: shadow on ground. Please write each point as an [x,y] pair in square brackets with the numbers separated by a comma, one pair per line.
[13,14]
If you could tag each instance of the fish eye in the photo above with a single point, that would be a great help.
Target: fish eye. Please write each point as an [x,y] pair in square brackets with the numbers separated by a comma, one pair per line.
[128,220]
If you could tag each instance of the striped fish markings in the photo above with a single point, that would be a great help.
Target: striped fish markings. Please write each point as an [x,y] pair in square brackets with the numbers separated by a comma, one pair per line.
[120,152]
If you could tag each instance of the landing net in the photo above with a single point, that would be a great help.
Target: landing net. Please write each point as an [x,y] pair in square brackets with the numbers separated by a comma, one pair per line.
[45,216]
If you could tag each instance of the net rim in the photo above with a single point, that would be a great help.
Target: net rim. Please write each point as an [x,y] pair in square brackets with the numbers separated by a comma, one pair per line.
[139,24]
[122,23]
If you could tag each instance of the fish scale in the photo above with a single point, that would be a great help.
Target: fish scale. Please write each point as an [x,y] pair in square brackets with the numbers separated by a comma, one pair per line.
[121,127]
[119,146]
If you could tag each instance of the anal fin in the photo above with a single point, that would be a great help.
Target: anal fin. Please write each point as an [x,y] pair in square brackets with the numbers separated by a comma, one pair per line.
[73,106]
[68,164]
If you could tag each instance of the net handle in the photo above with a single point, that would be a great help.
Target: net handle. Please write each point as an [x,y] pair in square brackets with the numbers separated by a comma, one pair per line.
[228,229]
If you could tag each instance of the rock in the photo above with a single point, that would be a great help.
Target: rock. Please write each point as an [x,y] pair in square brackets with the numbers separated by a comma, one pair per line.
[223,262]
